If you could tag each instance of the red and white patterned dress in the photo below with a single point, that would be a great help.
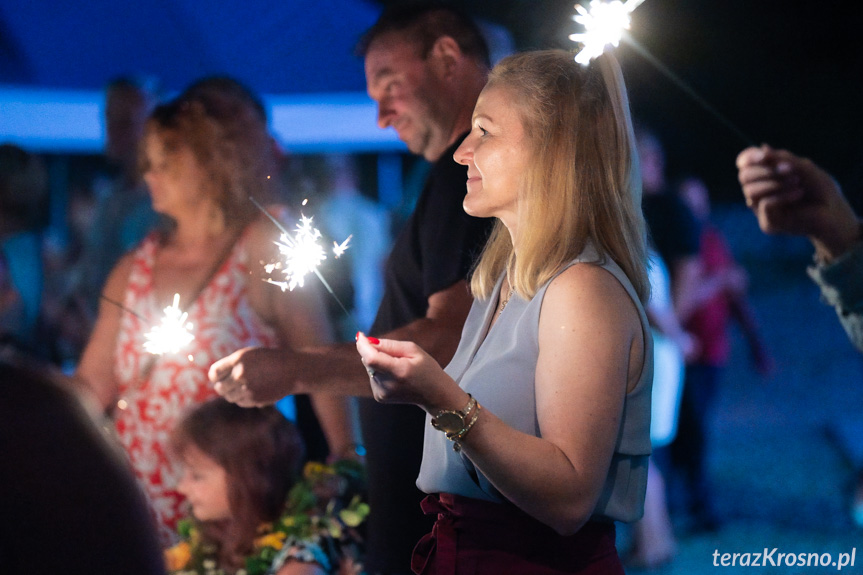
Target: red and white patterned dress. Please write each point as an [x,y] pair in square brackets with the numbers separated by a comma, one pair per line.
[155,390]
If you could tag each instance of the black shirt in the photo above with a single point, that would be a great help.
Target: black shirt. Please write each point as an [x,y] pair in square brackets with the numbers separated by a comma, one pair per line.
[436,249]
[674,231]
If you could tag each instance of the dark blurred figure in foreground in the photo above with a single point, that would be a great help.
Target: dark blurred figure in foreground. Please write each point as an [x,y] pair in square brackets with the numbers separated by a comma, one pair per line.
[69,503]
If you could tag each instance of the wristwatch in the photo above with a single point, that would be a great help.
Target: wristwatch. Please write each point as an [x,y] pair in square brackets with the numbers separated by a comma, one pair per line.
[453,422]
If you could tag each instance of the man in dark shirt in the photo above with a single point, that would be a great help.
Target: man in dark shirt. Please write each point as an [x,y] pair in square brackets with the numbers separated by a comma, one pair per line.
[425,67]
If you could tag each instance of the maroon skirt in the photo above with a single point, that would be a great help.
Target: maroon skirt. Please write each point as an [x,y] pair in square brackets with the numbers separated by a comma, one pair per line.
[475,537]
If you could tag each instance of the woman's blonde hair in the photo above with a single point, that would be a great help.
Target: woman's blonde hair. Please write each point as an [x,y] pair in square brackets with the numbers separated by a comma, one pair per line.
[583,183]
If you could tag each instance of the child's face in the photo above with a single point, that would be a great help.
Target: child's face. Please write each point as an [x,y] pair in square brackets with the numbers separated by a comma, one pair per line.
[205,485]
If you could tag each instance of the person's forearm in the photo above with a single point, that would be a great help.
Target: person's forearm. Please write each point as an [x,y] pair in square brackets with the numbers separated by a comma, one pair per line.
[686,276]
[532,473]
[337,369]
[839,238]
[333,369]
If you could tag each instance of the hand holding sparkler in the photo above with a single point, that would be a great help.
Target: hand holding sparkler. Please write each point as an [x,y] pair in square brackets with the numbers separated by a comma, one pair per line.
[792,195]
[402,372]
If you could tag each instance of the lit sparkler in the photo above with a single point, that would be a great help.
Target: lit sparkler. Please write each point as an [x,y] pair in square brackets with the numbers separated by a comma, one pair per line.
[604,24]
[172,334]
[302,255]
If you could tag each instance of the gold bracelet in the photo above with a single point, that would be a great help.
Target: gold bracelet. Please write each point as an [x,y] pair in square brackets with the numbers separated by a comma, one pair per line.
[457,438]
[453,421]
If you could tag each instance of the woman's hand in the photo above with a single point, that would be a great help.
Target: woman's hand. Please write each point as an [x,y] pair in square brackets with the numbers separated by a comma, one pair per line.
[401,372]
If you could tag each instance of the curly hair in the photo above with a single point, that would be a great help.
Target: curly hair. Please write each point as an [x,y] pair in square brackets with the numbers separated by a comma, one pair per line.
[224,125]
[261,453]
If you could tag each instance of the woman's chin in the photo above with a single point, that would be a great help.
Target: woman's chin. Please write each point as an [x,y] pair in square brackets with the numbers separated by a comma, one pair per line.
[471,209]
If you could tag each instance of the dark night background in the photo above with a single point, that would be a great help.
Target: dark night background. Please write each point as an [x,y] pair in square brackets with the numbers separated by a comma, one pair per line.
[784,72]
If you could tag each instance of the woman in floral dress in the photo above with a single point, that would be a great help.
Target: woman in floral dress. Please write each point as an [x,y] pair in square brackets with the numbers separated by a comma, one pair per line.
[204,155]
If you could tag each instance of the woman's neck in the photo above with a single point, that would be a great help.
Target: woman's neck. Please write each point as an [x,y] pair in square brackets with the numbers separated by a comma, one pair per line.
[199,229]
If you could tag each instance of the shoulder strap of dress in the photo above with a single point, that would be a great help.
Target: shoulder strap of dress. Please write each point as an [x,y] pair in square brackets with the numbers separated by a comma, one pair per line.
[214,269]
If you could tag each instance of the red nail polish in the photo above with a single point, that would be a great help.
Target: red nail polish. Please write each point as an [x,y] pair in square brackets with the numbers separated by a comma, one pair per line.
[374,340]
[357,337]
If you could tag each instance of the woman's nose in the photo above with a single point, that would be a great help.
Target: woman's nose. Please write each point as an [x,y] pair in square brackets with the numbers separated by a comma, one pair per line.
[464,153]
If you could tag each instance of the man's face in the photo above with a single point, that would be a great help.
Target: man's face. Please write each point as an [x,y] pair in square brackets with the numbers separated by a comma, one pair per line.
[408,95]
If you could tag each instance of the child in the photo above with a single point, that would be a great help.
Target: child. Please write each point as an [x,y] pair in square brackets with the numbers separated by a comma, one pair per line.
[252,513]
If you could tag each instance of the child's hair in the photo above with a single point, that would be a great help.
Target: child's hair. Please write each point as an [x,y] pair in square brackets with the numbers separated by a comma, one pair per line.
[261,453]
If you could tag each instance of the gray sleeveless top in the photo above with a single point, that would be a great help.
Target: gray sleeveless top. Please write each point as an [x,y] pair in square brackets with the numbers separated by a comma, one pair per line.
[498,367]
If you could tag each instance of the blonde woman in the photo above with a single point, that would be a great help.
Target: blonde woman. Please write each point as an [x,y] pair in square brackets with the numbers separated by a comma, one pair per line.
[538,434]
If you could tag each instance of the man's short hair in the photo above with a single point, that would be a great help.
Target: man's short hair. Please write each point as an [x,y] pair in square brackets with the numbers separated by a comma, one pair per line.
[423,23]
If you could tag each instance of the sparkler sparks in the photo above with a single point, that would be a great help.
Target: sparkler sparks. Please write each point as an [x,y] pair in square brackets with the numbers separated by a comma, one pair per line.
[302,252]
[604,24]
[172,334]
[339,248]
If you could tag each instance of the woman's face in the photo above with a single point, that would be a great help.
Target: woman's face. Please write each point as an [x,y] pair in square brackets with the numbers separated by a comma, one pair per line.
[496,153]
[174,177]
[205,485]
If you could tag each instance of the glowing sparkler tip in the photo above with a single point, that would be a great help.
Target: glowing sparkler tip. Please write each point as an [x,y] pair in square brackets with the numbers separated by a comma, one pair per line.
[302,255]
[604,23]
[172,334]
